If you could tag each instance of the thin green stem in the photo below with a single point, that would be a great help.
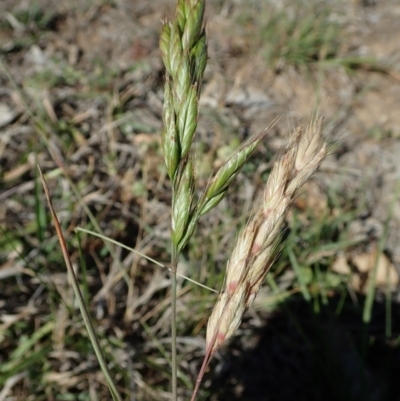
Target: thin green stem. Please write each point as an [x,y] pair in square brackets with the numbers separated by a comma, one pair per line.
[174,362]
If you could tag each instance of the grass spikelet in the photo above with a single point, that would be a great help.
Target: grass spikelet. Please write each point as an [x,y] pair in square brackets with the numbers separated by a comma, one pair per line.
[258,244]
[255,252]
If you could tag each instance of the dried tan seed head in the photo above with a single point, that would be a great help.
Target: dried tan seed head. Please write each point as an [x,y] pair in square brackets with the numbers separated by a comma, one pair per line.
[258,244]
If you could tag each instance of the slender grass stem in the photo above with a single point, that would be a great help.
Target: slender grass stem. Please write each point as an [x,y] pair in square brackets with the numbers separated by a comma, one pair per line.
[174,362]
[200,376]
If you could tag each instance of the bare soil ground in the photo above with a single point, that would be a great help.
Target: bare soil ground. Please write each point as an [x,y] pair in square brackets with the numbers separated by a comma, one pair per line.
[81,91]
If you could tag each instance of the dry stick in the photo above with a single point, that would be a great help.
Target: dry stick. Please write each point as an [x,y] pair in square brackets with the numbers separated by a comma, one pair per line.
[85,314]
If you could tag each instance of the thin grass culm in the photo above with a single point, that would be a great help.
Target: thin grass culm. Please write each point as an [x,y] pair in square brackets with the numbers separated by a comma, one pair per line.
[261,239]
[184,53]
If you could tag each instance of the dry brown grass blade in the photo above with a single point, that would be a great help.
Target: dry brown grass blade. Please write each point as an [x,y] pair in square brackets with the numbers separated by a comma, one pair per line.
[78,294]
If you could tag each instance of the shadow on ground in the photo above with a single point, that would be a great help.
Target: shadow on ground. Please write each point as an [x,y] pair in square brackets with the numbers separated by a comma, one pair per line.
[303,355]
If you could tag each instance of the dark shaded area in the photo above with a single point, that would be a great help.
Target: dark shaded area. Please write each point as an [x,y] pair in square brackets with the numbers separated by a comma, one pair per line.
[303,355]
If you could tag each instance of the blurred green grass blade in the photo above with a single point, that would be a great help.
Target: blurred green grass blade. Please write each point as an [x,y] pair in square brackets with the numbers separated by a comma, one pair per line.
[27,360]
[367,311]
[299,275]
[322,283]
[24,355]
[292,317]
[84,285]
[341,302]
[369,301]
[30,342]
[40,213]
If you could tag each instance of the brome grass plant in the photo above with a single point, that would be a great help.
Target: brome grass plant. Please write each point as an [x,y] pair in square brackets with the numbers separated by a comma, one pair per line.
[184,52]
[87,109]
[183,47]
